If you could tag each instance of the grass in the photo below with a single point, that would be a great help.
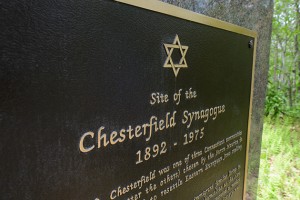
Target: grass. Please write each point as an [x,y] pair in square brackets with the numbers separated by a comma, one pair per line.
[279,176]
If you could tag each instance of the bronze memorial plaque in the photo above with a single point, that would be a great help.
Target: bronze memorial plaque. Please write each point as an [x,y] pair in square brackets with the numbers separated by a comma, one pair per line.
[123,100]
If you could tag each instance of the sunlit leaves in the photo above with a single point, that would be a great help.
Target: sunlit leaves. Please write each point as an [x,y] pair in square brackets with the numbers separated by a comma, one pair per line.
[284,75]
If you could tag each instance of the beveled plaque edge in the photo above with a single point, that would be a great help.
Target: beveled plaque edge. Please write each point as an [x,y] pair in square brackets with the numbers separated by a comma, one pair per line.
[168,9]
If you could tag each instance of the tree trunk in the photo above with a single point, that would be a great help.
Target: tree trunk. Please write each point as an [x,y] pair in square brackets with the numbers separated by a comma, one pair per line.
[275,78]
[297,52]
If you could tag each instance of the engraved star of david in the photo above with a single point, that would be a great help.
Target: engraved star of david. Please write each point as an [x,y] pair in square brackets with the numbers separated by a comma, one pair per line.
[169,62]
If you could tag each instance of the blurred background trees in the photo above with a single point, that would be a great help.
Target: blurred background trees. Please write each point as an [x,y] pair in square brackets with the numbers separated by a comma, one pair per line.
[279,173]
[283,94]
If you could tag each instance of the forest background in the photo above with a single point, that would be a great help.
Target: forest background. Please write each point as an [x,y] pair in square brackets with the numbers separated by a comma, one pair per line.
[279,176]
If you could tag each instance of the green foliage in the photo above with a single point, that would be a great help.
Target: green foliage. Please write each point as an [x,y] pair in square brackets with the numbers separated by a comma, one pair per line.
[295,113]
[275,101]
[279,176]
[283,95]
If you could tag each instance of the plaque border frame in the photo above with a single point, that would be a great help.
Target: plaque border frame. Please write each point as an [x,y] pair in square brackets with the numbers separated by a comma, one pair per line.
[171,10]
